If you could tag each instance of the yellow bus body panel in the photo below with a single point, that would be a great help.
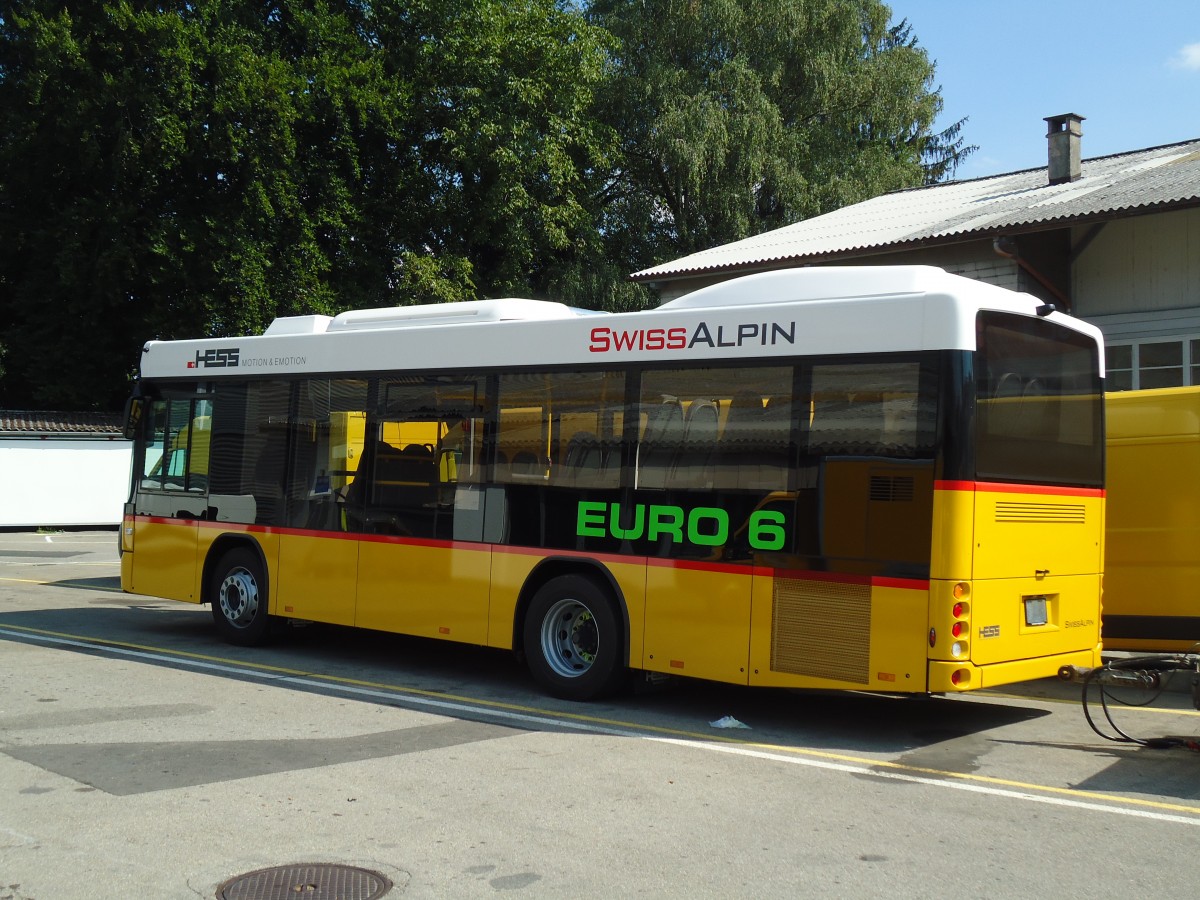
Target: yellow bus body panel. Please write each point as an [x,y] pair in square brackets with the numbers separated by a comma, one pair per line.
[630,576]
[509,572]
[316,580]
[425,588]
[730,623]
[697,622]
[1020,534]
[1005,673]
[1152,565]
[999,632]
[1033,549]
[951,555]
[810,632]
[166,564]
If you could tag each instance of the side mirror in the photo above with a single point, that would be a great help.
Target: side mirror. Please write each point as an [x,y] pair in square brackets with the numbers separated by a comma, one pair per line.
[134,408]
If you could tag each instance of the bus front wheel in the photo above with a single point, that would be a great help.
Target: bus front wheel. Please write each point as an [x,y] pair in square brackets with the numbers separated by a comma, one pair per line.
[238,593]
[572,639]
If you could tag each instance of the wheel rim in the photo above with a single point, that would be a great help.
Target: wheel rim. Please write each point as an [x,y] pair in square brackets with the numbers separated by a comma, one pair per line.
[238,597]
[570,639]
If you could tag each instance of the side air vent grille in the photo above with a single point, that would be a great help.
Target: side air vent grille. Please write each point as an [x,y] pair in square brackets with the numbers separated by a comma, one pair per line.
[1049,513]
[892,488]
[822,629]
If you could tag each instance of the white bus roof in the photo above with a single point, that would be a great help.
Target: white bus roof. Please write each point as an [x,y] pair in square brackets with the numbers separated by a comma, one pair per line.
[790,312]
[472,311]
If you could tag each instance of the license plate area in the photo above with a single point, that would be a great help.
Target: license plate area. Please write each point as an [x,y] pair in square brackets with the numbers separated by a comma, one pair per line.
[1035,610]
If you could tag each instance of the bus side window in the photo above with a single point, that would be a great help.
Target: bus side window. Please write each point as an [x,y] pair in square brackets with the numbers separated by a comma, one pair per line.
[176,457]
[586,460]
[661,439]
[694,460]
[748,455]
[156,444]
[199,445]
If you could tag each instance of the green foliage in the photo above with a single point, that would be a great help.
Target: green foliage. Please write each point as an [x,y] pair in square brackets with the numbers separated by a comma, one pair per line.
[738,116]
[173,172]
[504,134]
[197,167]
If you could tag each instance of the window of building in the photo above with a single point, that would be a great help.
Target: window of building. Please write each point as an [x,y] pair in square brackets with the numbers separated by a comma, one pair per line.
[1152,363]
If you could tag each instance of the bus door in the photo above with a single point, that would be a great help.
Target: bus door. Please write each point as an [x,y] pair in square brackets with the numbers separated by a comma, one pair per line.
[700,473]
[318,553]
[170,497]
[420,570]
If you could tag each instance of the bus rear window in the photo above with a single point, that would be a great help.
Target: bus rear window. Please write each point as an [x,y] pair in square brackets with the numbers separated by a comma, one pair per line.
[1039,403]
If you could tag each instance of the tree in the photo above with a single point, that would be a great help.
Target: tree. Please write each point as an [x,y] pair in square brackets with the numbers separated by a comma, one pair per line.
[198,167]
[506,138]
[738,116]
[158,180]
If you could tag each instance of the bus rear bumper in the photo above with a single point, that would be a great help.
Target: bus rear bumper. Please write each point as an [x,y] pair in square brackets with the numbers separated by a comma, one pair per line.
[956,677]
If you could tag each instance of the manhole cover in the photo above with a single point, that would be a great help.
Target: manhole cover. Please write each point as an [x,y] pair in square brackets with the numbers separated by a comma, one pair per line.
[312,881]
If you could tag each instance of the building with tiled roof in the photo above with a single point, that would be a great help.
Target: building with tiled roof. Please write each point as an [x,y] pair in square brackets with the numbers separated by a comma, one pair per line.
[29,423]
[1114,240]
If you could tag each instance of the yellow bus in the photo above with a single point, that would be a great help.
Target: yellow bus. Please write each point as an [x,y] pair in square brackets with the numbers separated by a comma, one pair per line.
[865,478]
[1152,572]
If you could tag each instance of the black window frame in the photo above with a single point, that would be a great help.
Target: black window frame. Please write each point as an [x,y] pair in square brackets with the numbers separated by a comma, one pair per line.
[1015,457]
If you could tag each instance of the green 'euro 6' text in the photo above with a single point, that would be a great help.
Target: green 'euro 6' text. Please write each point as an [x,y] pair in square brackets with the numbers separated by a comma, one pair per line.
[704,526]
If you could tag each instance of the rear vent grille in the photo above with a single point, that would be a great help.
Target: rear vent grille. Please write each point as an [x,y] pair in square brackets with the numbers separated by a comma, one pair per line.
[892,488]
[1052,513]
[821,629]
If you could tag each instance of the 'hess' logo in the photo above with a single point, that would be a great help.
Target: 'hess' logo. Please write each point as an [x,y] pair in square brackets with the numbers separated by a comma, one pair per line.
[215,359]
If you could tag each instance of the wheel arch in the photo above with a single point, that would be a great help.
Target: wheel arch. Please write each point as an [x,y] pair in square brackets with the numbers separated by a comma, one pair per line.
[219,548]
[554,566]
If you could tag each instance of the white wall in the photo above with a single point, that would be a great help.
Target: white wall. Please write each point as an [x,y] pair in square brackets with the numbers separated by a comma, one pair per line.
[63,482]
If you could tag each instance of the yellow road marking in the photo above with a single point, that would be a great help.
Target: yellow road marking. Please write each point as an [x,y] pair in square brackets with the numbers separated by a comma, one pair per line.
[1093,701]
[63,581]
[594,721]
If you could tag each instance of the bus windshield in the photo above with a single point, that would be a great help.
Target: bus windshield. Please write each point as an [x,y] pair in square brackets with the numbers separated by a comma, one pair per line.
[1039,403]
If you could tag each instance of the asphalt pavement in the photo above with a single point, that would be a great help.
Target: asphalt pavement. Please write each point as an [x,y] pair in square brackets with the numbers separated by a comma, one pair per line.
[140,757]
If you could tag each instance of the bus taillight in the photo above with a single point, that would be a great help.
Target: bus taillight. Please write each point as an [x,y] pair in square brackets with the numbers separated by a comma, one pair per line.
[960,628]
[961,607]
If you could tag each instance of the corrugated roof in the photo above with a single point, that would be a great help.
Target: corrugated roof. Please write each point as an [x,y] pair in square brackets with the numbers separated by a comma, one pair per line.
[31,423]
[1108,185]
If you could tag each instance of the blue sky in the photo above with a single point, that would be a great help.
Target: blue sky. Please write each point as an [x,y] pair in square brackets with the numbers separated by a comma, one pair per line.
[1131,69]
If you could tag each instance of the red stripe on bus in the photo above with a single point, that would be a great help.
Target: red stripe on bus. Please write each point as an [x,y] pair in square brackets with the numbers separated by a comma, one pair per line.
[407,541]
[572,554]
[908,584]
[696,565]
[999,487]
[699,565]
[243,528]
[692,564]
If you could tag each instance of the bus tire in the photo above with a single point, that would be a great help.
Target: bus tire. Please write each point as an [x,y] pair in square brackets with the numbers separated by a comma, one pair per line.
[238,593]
[572,639]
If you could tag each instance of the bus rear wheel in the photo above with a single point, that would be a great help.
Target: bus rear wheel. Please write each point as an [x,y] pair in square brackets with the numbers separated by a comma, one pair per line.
[238,593]
[572,639]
